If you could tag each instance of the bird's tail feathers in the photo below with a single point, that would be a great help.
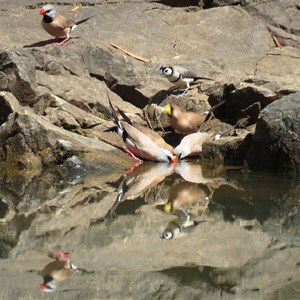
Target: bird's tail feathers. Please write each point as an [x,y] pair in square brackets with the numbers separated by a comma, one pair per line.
[114,113]
[203,78]
[124,116]
[224,132]
[84,20]
[215,106]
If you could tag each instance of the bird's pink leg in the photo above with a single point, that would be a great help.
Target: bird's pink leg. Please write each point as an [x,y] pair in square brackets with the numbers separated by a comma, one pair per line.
[131,169]
[62,43]
[59,254]
[132,155]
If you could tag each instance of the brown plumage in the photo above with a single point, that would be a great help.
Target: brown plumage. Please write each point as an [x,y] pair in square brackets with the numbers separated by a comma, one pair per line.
[58,25]
[154,136]
[139,145]
[185,121]
[185,193]
[57,271]
[140,180]
[191,144]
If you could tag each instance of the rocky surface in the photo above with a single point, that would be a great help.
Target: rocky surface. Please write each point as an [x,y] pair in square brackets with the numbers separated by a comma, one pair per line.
[68,85]
[280,123]
[61,159]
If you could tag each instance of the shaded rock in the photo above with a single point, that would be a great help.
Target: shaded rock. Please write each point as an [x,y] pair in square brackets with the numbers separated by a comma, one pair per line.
[244,102]
[217,3]
[30,140]
[18,75]
[106,65]
[63,114]
[276,143]
[228,150]
[180,3]
[30,75]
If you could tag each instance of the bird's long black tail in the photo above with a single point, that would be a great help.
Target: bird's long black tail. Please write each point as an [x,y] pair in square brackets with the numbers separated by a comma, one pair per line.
[203,78]
[84,20]
[124,116]
[114,113]
[216,106]
[224,132]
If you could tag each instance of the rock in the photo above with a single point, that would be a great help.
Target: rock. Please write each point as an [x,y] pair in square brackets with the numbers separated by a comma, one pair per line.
[276,142]
[247,68]
[18,75]
[217,3]
[276,63]
[282,17]
[30,140]
[228,150]
[54,113]
[61,113]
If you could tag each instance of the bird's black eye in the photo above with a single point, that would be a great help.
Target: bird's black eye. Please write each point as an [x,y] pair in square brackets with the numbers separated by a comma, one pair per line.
[170,158]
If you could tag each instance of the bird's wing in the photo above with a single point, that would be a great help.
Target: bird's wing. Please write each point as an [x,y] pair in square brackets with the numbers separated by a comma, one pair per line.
[155,137]
[63,22]
[188,74]
[139,139]
[149,175]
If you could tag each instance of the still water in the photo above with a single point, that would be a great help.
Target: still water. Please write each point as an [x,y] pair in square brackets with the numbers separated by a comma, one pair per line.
[154,231]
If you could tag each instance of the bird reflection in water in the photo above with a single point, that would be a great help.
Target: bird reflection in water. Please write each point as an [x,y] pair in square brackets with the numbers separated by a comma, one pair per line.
[183,196]
[189,199]
[189,196]
[139,180]
[176,226]
[56,271]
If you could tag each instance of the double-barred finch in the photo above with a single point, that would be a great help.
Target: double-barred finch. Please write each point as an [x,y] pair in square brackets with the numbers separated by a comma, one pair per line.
[58,25]
[175,227]
[181,77]
[139,145]
[57,271]
[185,121]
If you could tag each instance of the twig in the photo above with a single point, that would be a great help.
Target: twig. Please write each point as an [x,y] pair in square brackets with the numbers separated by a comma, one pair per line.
[129,53]
[277,43]
[282,54]
[160,188]
[158,120]
[147,118]
[75,8]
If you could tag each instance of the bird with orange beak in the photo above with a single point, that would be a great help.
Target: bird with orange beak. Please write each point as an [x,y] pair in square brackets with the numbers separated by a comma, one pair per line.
[57,271]
[58,25]
[138,144]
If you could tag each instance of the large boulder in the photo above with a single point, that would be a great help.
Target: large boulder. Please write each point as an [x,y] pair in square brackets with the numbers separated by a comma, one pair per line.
[276,142]
[28,140]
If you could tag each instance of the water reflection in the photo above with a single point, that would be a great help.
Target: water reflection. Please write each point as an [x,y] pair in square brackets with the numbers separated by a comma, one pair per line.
[188,195]
[138,180]
[244,227]
[176,226]
[56,271]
